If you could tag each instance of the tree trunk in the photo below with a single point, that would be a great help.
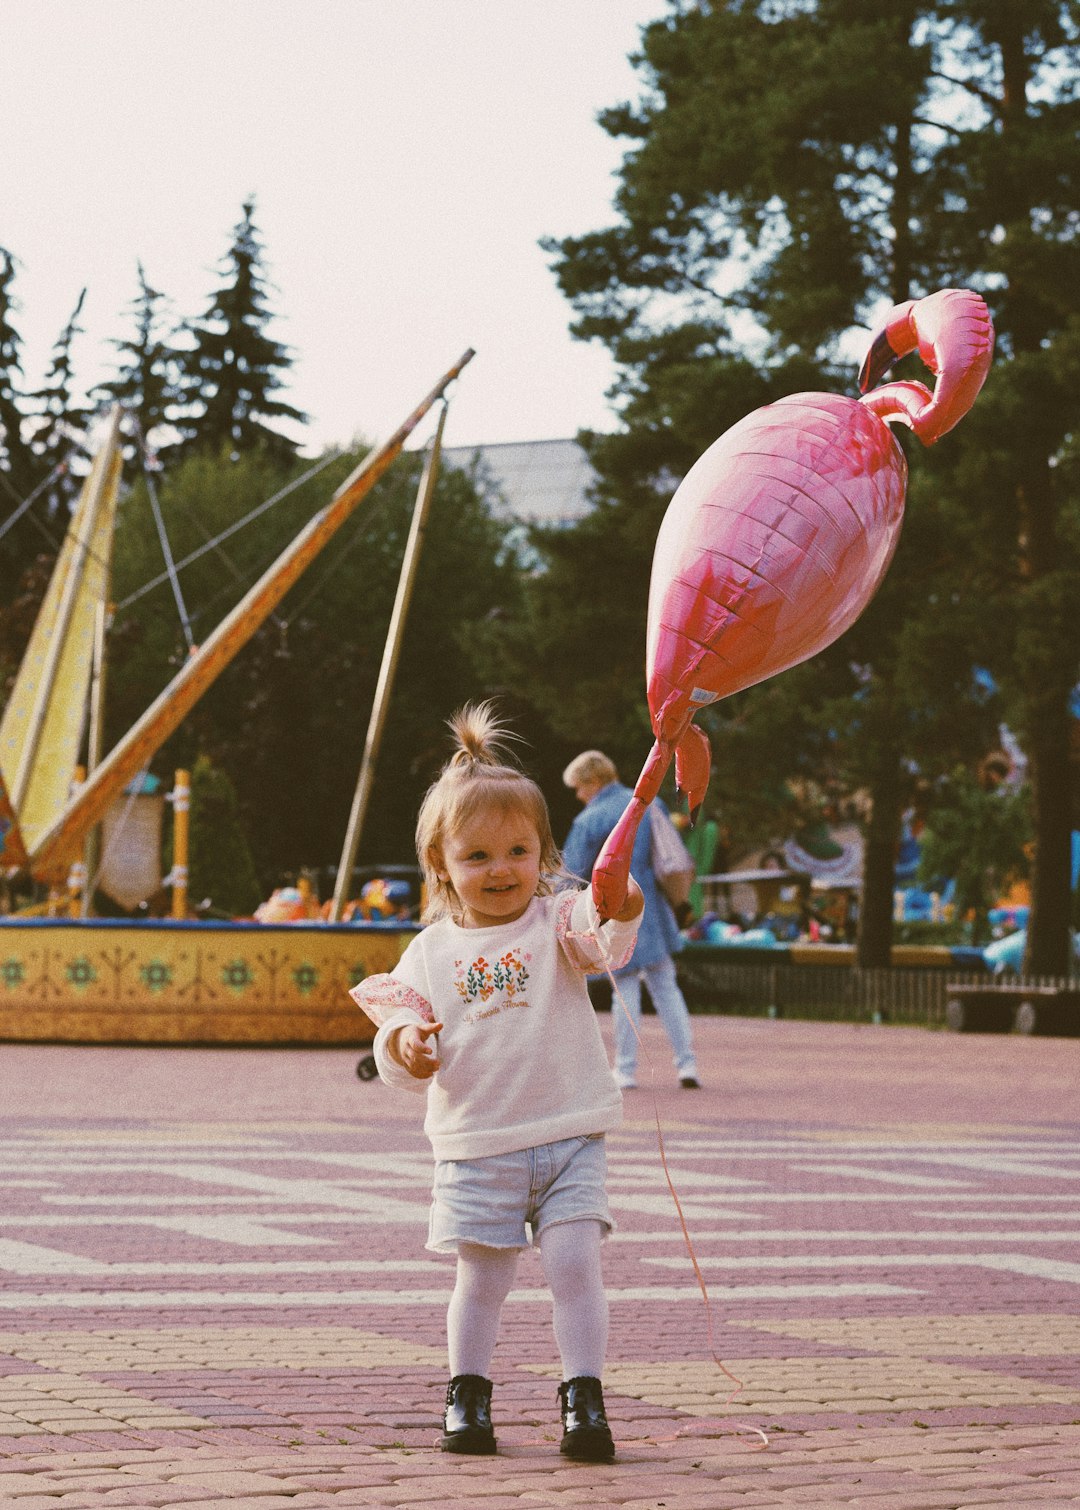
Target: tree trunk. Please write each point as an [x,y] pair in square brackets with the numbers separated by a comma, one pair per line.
[1049,939]
[1046,739]
[1049,936]
[874,947]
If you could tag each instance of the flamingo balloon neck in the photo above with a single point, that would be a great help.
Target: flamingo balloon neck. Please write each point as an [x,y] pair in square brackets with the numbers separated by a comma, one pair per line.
[901,403]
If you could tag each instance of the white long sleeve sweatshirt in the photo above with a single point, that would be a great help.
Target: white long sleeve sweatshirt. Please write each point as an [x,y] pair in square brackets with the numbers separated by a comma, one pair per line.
[522,1059]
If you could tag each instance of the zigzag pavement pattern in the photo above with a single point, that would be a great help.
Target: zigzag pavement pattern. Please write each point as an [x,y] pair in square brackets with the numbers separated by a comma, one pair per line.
[214,1290]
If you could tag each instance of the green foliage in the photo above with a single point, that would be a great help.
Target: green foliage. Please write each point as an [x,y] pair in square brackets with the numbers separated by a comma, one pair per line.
[285,724]
[221,869]
[790,164]
[146,382]
[978,837]
[17,469]
[287,720]
[232,374]
[55,440]
[199,499]
[941,935]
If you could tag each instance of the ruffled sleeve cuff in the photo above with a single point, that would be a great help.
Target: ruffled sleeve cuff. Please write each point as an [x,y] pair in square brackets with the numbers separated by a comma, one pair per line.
[379,996]
[588,943]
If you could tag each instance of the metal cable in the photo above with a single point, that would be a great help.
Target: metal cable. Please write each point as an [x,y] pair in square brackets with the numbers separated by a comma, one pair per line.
[166,550]
[61,466]
[231,529]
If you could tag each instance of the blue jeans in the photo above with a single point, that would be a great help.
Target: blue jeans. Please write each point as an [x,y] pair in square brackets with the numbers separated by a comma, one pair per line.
[671,1009]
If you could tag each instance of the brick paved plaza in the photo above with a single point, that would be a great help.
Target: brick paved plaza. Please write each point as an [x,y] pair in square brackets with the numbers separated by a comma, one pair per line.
[214,1291]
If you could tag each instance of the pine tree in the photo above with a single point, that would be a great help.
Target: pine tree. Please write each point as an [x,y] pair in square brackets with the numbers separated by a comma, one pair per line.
[792,165]
[58,440]
[234,369]
[17,469]
[1012,179]
[20,585]
[146,382]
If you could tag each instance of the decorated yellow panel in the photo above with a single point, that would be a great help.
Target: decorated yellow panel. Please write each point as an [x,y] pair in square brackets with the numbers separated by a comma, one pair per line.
[172,982]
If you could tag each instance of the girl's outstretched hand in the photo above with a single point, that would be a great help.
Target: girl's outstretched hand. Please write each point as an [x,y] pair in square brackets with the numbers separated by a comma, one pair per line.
[419,1057]
[633,904]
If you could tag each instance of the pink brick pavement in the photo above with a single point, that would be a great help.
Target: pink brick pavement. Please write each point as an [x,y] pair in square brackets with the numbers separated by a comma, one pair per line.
[214,1291]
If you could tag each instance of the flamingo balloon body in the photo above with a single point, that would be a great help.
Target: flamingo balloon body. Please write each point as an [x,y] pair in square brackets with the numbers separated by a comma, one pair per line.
[779,536]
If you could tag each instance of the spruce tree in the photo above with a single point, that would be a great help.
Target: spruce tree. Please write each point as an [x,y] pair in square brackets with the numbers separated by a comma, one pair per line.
[17,469]
[146,381]
[57,440]
[792,166]
[234,370]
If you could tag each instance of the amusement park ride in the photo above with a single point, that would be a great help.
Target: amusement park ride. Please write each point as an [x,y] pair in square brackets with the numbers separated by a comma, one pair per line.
[157,980]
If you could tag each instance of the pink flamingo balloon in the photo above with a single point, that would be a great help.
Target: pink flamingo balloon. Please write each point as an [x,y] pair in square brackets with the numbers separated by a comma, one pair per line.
[779,536]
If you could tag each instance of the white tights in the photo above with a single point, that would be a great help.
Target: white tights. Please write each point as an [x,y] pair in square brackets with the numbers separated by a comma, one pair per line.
[570,1254]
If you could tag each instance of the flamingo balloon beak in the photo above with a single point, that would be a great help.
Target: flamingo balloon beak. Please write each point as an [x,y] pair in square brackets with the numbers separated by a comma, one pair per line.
[879,358]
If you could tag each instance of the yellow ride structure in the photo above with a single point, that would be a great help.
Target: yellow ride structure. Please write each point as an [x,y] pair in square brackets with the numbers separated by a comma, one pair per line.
[103,980]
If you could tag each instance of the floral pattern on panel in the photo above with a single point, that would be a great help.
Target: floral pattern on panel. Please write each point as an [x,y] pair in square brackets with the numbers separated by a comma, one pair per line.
[80,973]
[236,975]
[305,978]
[156,975]
[12,972]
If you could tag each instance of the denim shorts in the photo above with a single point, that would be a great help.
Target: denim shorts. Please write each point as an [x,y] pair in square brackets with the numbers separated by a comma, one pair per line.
[490,1201]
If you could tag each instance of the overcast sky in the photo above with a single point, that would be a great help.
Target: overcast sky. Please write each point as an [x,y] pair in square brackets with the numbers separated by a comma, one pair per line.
[406,157]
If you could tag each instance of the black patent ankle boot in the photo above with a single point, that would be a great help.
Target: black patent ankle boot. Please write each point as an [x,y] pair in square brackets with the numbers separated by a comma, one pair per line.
[586,1434]
[467,1419]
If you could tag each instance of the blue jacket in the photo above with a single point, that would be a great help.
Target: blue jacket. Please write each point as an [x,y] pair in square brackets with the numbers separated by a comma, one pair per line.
[659,933]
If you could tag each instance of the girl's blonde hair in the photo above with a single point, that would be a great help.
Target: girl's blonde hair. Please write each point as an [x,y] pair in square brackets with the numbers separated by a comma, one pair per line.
[477,776]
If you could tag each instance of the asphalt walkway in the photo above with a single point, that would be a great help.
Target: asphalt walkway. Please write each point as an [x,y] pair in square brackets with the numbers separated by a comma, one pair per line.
[214,1290]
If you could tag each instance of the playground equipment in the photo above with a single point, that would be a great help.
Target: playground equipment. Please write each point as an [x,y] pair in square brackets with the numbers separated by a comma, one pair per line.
[46,832]
[161,980]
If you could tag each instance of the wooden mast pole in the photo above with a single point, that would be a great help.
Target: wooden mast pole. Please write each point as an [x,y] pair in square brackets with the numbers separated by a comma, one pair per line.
[180,875]
[106,464]
[384,686]
[95,745]
[53,852]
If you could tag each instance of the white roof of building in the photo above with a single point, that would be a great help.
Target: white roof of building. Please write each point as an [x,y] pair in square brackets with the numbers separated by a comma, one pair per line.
[542,481]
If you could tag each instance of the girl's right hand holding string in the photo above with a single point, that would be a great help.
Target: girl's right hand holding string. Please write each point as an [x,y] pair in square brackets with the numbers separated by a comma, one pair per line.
[419,1057]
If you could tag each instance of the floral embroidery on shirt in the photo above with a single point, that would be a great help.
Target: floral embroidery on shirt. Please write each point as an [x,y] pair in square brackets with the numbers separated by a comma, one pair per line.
[483,978]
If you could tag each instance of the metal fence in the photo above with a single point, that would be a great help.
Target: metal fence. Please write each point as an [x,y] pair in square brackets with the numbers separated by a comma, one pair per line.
[905,994]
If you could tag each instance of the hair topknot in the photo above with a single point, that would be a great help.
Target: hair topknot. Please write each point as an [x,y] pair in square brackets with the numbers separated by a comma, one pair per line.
[476,779]
[481,735]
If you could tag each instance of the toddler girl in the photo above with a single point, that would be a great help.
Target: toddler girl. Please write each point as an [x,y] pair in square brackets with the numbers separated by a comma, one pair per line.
[488,1012]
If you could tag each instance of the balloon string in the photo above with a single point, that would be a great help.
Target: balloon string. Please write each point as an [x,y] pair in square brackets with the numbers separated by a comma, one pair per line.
[710,1329]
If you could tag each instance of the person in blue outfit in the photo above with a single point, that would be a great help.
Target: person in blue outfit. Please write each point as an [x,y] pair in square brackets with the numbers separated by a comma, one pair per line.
[595,782]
